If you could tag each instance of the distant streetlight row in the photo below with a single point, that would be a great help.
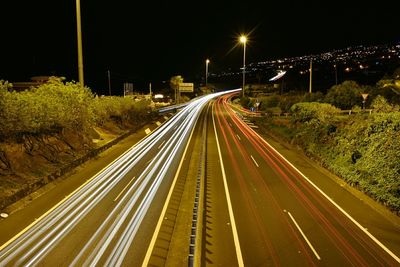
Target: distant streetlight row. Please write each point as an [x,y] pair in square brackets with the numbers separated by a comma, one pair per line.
[243,40]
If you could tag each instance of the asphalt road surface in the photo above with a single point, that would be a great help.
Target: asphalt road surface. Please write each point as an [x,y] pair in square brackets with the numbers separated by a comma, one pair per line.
[256,208]
[109,220]
[280,217]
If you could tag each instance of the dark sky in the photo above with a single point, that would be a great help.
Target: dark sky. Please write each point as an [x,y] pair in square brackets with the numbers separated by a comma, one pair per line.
[149,41]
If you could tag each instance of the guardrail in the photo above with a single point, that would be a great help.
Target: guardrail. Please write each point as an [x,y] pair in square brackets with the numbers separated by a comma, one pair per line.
[196,234]
[172,108]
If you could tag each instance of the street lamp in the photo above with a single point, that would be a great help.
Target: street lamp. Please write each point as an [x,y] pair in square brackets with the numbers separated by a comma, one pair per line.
[79,38]
[207,62]
[243,40]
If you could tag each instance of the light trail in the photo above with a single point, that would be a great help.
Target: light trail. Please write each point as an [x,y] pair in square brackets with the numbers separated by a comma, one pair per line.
[31,245]
[309,195]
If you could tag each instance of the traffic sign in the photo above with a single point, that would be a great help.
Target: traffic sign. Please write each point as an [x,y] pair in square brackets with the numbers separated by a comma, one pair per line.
[185,87]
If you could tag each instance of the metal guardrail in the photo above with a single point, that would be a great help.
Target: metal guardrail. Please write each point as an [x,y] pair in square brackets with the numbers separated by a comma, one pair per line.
[172,108]
[196,234]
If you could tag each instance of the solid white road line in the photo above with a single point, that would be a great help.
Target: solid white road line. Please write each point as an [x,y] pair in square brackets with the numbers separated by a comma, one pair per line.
[255,162]
[228,200]
[123,190]
[304,236]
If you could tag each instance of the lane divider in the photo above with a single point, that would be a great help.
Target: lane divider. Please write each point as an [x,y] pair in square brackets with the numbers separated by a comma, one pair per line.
[303,235]
[115,199]
[228,200]
[161,144]
[255,162]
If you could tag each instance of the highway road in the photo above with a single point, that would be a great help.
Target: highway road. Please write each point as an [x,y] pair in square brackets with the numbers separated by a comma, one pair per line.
[280,217]
[109,220]
[206,178]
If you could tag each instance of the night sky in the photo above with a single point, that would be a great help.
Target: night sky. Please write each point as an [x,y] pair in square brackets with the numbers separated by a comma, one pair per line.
[150,41]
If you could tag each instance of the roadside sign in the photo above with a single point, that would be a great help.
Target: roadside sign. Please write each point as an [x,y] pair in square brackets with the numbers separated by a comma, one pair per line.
[364,96]
[186,87]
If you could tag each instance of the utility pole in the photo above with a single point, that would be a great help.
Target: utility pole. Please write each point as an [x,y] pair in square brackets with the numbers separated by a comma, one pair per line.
[310,87]
[109,82]
[150,89]
[243,40]
[335,73]
[79,37]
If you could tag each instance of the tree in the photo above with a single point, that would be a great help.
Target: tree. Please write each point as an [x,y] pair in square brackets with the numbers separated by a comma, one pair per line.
[389,87]
[312,112]
[379,104]
[345,95]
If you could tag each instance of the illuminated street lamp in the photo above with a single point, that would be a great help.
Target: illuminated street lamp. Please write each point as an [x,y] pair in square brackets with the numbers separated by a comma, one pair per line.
[243,40]
[207,62]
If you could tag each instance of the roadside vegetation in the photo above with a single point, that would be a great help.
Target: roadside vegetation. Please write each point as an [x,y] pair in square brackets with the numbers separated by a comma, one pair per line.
[57,105]
[359,145]
[48,129]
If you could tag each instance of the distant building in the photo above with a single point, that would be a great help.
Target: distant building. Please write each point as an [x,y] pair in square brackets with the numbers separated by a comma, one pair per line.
[34,82]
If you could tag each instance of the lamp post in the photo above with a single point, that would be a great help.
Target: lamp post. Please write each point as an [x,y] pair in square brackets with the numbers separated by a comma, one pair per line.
[79,37]
[335,65]
[310,85]
[243,40]
[207,62]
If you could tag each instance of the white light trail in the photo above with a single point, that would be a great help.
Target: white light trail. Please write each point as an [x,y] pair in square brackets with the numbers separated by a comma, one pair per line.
[30,246]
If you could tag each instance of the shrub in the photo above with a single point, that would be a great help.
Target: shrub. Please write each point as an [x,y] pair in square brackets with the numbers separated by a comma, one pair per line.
[312,112]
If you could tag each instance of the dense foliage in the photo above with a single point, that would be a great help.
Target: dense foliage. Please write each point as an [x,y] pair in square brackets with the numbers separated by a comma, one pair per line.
[345,95]
[363,149]
[58,105]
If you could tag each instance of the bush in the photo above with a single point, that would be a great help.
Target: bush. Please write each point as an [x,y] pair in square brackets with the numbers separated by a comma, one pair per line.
[47,108]
[56,105]
[312,112]
[345,95]
[379,104]
[119,109]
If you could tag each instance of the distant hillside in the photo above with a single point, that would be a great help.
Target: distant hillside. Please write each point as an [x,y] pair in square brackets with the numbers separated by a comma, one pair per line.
[363,64]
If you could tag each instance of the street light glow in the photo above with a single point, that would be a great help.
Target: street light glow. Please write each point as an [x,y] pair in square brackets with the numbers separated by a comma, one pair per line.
[243,40]
[207,62]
